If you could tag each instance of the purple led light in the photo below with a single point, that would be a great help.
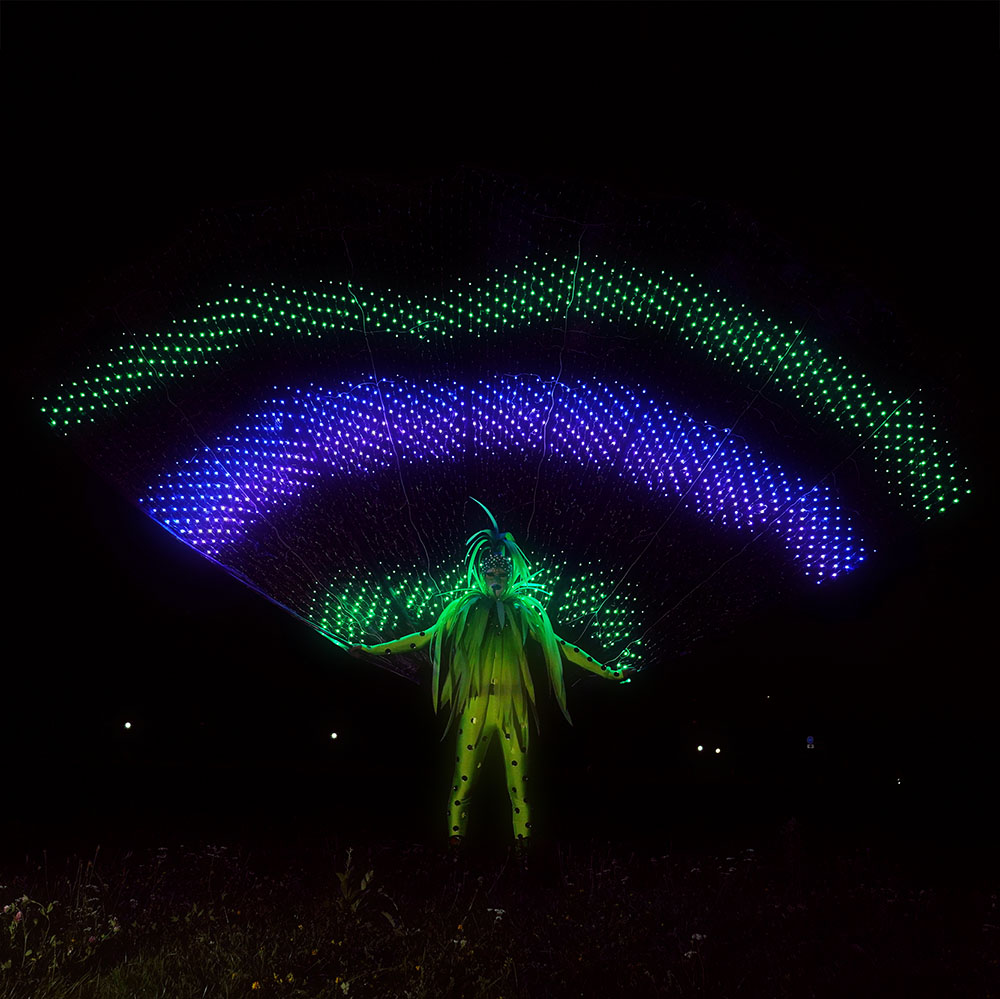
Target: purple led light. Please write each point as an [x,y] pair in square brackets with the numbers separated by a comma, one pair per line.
[312,434]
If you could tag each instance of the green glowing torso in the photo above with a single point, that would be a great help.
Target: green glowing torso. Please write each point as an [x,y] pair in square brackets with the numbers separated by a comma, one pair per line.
[487,669]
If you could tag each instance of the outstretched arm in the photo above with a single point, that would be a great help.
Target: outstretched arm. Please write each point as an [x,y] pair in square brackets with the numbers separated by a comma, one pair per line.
[408,643]
[577,655]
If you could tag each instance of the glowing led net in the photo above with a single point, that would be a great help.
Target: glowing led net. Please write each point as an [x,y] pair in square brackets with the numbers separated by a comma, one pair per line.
[237,490]
[343,499]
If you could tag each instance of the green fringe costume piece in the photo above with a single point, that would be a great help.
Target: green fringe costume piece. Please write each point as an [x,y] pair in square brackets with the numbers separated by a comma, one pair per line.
[477,649]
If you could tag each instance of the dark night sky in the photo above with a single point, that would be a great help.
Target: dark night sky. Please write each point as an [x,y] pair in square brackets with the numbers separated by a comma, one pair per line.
[862,136]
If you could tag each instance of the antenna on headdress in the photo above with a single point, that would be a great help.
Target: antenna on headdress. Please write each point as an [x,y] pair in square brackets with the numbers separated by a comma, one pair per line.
[498,543]
[493,519]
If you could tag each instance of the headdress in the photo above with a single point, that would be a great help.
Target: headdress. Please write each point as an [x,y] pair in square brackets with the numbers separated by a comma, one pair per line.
[494,561]
[491,548]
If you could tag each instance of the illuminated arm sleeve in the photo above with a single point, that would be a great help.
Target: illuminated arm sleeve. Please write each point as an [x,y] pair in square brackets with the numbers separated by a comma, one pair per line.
[408,643]
[576,655]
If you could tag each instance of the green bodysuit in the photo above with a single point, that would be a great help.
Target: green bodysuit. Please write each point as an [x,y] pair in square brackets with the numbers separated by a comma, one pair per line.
[478,643]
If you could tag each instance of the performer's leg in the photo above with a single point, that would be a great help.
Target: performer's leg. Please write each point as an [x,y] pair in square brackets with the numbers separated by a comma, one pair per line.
[473,741]
[515,762]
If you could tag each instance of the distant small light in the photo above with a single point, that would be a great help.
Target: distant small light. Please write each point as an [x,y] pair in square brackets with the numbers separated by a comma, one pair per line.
[700,748]
[128,724]
[333,735]
[899,780]
[810,743]
[717,749]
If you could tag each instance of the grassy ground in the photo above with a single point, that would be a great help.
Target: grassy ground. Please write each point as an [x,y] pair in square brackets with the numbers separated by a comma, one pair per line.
[403,920]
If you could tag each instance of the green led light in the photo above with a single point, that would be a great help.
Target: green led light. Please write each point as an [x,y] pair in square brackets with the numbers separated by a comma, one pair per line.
[538,293]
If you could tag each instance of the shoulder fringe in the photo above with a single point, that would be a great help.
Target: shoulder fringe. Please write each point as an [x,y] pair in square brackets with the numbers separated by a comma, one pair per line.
[458,653]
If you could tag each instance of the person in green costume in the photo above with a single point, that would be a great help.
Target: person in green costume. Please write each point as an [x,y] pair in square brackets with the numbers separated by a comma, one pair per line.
[477,650]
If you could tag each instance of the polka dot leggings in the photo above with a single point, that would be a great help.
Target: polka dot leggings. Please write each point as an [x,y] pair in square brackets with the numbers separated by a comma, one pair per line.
[479,723]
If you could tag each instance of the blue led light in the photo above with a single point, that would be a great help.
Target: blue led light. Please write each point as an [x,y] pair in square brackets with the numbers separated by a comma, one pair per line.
[312,435]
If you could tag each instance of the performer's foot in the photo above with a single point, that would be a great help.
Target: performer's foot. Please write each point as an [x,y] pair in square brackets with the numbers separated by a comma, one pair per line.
[456,846]
[522,850]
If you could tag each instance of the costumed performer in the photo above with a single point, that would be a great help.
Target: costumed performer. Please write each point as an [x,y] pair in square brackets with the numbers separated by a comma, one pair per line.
[477,651]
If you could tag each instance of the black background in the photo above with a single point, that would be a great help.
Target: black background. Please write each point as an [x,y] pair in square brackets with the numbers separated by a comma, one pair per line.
[860,132]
